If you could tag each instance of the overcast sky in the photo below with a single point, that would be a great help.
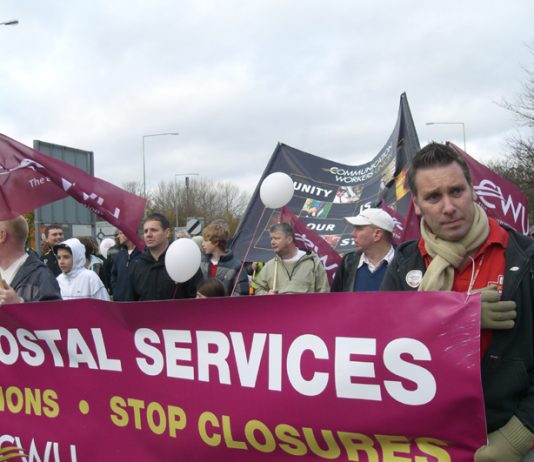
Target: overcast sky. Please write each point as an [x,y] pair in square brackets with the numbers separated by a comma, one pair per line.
[236,77]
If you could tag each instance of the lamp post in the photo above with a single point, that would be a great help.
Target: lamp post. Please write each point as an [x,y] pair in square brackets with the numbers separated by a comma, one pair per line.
[13,22]
[451,123]
[144,168]
[187,175]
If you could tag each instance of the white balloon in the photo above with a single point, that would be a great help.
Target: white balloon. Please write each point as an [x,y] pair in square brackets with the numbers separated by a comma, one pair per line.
[105,245]
[182,260]
[276,190]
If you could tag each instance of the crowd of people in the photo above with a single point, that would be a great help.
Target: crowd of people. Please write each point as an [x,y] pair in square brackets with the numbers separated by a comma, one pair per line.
[460,249]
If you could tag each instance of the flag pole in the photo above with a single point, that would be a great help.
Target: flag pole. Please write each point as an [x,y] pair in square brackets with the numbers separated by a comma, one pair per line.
[275,273]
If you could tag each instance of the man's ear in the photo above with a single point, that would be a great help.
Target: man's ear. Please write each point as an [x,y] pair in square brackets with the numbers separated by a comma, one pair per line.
[377,234]
[416,207]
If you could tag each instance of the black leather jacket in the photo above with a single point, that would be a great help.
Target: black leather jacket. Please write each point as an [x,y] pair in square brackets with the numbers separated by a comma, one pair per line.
[34,282]
[149,280]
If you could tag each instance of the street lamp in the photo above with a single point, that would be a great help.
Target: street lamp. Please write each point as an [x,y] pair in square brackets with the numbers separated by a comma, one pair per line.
[144,168]
[187,175]
[451,123]
[13,22]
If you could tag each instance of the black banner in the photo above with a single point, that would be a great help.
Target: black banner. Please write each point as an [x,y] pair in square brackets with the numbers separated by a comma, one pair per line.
[326,191]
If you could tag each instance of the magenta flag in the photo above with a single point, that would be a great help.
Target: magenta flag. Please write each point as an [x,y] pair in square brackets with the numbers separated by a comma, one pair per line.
[406,228]
[500,198]
[342,376]
[307,239]
[30,179]
[412,225]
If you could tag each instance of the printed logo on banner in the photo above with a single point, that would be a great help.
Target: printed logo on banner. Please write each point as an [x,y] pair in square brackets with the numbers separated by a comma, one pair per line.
[359,175]
[24,163]
[38,451]
[491,195]
[11,452]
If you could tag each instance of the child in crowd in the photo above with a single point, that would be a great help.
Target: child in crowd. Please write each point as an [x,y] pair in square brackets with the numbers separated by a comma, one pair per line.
[218,262]
[210,288]
[75,281]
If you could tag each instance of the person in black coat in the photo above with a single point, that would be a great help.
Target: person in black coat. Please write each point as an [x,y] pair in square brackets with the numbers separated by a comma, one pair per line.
[122,264]
[149,279]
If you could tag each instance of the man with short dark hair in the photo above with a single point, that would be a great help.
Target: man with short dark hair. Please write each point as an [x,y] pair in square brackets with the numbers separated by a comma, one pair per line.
[53,235]
[149,279]
[364,269]
[461,249]
[292,270]
[121,265]
[23,277]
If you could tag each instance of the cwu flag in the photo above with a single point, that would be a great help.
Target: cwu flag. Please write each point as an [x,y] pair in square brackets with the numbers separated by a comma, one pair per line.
[30,179]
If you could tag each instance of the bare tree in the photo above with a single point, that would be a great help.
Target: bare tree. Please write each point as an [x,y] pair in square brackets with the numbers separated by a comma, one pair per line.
[134,187]
[518,166]
[163,198]
[200,197]
[523,105]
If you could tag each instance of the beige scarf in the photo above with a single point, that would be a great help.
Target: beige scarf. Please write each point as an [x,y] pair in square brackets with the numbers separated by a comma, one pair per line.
[448,255]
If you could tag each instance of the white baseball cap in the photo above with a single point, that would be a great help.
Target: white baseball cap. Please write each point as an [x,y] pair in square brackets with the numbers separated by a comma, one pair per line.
[376,217]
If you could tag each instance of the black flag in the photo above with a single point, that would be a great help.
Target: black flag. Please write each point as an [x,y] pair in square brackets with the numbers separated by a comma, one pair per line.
[327,191]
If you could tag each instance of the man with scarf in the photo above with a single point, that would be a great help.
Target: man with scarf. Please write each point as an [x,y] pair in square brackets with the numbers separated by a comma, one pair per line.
[461,249]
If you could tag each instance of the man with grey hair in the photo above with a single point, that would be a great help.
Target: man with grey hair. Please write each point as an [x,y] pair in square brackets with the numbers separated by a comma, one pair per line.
[24,277]
[292,270]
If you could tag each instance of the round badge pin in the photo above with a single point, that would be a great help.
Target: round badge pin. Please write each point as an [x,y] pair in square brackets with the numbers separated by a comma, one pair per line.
[414,278]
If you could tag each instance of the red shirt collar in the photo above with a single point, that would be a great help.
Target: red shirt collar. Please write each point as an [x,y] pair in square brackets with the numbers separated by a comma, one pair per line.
[497,235]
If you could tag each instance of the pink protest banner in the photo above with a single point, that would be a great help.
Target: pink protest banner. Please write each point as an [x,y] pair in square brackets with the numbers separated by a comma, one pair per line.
[340,376]
[30,179]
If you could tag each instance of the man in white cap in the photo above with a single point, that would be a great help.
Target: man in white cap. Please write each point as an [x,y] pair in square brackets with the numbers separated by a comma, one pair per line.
[364,269]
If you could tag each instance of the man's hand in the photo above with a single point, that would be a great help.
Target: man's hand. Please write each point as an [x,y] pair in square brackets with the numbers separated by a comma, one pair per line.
[507,444]
[496,313]
[7,295]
